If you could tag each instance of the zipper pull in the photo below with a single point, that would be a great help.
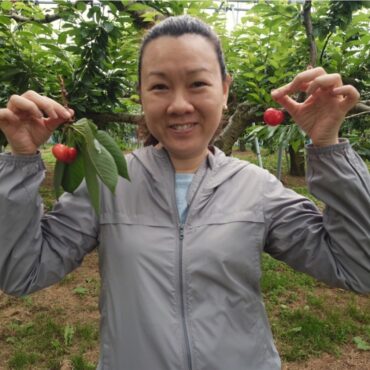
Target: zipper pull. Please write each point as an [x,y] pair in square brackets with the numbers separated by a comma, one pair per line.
[181,232]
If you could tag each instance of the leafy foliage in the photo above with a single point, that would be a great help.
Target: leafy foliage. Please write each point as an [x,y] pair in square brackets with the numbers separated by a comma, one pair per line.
[94,47]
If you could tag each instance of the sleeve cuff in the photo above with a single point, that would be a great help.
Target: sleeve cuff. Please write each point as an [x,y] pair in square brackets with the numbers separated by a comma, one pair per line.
[341,146]
[33,160]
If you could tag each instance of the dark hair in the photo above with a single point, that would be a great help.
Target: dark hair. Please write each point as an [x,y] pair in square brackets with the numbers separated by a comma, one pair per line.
[175,27]
[182,25]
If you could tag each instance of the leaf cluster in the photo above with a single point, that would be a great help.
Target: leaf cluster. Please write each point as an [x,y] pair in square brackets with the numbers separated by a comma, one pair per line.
[99,157]
[94,47]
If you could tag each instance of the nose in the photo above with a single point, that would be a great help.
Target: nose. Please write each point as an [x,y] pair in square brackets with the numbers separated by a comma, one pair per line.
[180,104]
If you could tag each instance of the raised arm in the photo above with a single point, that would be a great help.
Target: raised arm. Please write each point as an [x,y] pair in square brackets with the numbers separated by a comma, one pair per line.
[37,250]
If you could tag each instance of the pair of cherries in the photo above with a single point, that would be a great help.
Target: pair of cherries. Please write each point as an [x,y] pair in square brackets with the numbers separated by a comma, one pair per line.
[64,153]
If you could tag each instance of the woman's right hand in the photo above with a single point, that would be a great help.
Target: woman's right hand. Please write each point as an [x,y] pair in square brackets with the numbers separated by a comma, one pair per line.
[29,120]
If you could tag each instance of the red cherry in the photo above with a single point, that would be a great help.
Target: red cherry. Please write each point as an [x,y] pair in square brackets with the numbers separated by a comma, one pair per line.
[273,117]
[71,154]
[63,153]
[59,152]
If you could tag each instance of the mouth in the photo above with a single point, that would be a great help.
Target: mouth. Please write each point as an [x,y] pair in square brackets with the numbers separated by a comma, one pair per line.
[180,127]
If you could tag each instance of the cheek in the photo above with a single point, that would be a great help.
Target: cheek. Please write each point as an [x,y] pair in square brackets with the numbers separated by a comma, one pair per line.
[152,107]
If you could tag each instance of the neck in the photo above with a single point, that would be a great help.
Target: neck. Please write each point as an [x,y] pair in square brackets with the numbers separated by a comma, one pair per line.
[188,165]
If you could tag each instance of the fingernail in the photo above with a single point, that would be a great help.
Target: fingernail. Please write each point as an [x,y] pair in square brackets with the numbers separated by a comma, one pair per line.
[275,93]
[66,114]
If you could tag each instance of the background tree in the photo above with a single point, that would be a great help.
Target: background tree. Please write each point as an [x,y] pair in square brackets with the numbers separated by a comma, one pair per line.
[94,48]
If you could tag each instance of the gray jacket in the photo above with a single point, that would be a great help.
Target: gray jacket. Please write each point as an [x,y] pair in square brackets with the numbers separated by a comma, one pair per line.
[187,296]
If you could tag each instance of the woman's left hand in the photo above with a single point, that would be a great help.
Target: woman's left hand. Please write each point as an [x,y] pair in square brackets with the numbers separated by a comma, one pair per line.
[325,108]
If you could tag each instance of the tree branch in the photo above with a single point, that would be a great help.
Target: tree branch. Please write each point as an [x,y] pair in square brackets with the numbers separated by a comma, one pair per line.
[245,114]
[324,47]
[102,119]
[359,108]
[20,18]
[309,31]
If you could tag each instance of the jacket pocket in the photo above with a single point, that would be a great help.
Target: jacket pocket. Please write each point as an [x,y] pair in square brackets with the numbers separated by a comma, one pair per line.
[225,218]
[132,219]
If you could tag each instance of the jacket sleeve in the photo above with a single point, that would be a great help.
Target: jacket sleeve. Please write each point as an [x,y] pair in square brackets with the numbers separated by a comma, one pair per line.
[333,247]
[37,249]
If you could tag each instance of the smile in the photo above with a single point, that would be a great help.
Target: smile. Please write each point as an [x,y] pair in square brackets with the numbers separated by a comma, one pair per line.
[182,126]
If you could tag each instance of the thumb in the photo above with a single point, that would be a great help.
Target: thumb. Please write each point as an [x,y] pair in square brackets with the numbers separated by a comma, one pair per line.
[287,102]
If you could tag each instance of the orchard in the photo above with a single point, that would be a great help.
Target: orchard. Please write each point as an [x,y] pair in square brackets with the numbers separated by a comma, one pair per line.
[84,55]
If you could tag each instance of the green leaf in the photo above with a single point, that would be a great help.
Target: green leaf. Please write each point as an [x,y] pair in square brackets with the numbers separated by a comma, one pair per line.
[80,290]
[73,174]
[109,143]
[254,97]
[62,38]
[100,158]
[52,47]
[58,177]
[81,6]
[108,27]
[92,182]
[361,344]
[104,164]
[5,20]
[93,127]
[84,130]
[6,5]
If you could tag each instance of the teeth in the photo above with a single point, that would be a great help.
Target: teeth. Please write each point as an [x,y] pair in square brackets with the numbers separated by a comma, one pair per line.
[182,127]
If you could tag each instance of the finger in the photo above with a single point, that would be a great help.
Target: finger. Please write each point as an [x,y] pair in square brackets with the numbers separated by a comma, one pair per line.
[53,123]
[18,103]
[350,94]
[7,116]
[62,112]
[47,105]
[288,103]
[327,81]
[299,83]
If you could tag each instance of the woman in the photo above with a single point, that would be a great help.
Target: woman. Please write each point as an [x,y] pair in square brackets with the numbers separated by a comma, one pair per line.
[180,245]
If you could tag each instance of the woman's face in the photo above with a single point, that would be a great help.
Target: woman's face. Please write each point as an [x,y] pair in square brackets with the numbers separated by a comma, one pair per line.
[182,93]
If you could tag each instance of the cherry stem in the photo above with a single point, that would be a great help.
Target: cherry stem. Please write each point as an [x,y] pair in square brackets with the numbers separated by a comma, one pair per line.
[64,94]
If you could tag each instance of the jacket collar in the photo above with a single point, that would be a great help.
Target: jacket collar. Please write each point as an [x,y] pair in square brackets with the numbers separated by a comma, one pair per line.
[157,163]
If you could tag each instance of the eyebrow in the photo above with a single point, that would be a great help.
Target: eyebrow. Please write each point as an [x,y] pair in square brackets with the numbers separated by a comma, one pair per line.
[189,72]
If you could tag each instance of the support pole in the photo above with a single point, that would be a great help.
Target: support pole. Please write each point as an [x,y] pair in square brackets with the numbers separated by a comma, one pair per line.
[258,150]
[280,160]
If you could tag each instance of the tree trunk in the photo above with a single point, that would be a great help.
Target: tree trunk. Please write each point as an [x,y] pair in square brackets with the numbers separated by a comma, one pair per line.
[241,145]
[245,114]
[297,162]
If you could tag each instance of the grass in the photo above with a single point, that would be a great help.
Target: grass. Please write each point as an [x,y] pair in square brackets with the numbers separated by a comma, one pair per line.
[306,317]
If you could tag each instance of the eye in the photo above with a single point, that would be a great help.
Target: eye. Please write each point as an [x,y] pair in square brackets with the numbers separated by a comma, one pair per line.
[198,84]
[158,87]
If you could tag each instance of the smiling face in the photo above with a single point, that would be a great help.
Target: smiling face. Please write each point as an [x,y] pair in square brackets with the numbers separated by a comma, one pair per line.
[182,94]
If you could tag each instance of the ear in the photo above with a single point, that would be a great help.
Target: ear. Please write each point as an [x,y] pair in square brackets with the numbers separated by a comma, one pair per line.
[226,87]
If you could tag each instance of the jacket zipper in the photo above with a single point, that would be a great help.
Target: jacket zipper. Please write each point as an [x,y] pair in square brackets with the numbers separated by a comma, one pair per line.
[187,342]
[182,299]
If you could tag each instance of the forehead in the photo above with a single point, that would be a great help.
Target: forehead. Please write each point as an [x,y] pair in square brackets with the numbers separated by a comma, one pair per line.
[176,53]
